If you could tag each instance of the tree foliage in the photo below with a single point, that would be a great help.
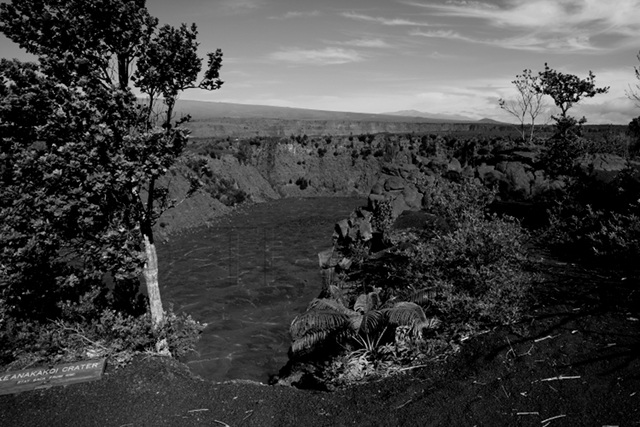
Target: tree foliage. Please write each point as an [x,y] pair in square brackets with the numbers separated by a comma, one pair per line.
[78,152]
[566,90]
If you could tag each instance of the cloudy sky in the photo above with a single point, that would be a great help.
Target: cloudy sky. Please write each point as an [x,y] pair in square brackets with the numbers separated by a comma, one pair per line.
[436,56]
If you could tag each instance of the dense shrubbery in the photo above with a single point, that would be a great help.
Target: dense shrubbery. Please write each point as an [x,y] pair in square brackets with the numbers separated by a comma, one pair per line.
[598,221]
[425,291]
[108,333]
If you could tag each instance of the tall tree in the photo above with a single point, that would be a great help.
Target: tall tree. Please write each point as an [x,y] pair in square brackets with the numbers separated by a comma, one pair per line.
[91,148]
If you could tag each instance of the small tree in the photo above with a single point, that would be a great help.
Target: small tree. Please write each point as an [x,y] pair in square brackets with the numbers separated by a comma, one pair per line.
[566,90]
[529,102]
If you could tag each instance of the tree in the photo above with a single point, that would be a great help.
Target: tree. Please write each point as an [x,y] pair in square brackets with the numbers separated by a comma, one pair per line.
[79,153]
[529,102]
[633,94]
[566,90]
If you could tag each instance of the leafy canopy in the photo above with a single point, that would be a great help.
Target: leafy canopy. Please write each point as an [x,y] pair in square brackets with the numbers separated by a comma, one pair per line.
[78,152]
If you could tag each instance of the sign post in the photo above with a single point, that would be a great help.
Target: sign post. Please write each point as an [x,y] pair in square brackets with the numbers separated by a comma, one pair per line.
[46,377]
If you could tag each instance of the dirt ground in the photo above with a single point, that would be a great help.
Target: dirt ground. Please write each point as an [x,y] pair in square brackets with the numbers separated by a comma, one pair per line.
[574,361]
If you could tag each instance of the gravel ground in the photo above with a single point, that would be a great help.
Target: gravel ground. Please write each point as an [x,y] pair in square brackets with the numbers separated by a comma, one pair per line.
[574,361]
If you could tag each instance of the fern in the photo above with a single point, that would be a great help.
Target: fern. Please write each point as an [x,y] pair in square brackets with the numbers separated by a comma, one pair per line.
[423,296]
[329,304]
[317,320]
[367,302]
[309,341]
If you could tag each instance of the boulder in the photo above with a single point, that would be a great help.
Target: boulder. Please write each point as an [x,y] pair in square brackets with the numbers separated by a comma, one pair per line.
[374,200]
[365,230]
[399,205]
[493,177]
[484,169]
[517,178]
[390,169]
[412,197]
[603,167]
[419,220]
[377,188]
[394,183]
[525,156]
[454,165]
[342,227]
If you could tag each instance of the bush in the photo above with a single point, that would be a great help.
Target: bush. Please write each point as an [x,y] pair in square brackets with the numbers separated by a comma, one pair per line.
[443,285]
[110,333]
[597,221]
[595,234]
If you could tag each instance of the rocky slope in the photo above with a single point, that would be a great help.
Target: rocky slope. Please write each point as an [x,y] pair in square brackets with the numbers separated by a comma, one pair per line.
[382,167]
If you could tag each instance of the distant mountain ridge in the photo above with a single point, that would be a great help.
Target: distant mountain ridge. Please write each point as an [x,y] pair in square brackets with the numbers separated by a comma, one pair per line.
[204,111]
[432,116]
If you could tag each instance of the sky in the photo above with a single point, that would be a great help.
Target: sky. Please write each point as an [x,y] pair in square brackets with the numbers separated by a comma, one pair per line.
[436,56]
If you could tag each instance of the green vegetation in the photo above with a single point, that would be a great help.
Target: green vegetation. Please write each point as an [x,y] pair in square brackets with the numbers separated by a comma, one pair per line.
[433,288]
[80,164]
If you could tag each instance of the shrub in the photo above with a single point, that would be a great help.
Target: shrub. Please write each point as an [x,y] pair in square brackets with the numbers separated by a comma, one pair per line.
[443,285]
[109,333]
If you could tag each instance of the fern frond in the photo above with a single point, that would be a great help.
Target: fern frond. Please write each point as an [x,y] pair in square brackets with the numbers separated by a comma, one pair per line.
[328,304]
[367,302]
[423,296]
[308,341]
[430,323]
[405,313]
[371,320]
[317,320]
[337,294]
[355,322]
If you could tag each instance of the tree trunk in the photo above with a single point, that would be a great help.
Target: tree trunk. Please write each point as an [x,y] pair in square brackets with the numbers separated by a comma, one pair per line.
[150,270]
[153,286]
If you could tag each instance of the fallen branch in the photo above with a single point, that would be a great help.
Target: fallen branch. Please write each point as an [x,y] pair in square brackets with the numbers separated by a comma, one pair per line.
[552,418]
[528,413]
[197,410]
[221,423]
[548,337]
[562,377]
[412,367]
[405,403]
[505,391]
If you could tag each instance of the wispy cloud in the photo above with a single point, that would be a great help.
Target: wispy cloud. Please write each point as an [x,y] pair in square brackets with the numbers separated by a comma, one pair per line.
[297,14]
[531,42]
[240,6]
[557,25]
[326,56]
[443,34]
[366,43]
[384,21]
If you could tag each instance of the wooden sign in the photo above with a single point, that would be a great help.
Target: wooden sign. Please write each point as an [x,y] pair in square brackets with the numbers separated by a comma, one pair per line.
[45,377]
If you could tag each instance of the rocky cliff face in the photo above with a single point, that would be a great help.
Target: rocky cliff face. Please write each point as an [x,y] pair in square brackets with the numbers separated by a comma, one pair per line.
[381,167]
[250,127]
[256,173]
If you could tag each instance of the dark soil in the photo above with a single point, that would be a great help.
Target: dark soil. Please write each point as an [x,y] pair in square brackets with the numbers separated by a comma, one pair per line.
[574,361]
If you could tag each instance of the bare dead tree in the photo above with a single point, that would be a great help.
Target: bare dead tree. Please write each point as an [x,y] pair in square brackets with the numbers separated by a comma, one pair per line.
[528,104]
